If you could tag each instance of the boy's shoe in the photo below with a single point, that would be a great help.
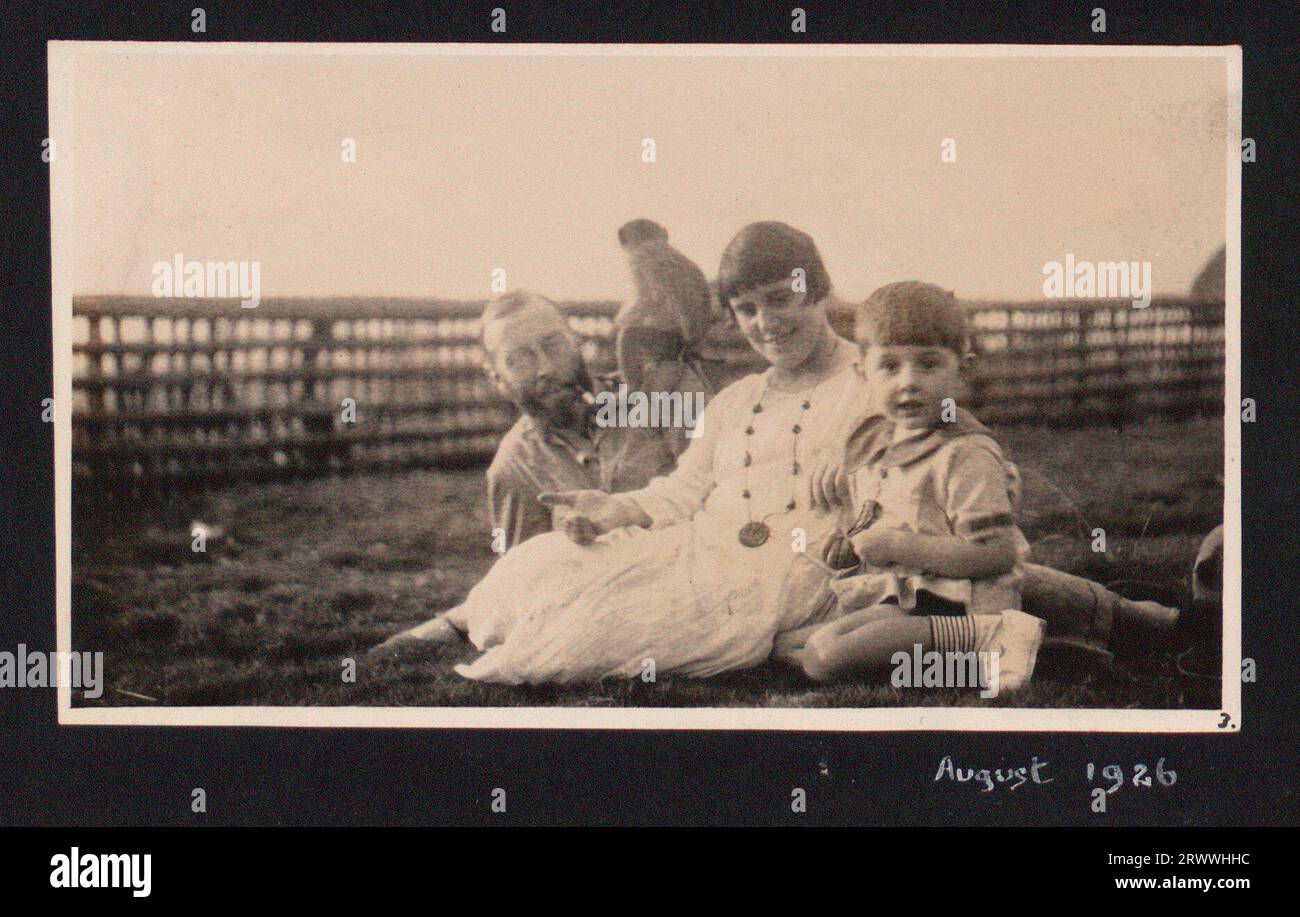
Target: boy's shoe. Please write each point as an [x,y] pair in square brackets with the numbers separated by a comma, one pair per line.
[1162,600]
[1015,637]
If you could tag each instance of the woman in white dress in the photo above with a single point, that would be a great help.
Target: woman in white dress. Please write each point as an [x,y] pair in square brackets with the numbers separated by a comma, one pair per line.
[698,572]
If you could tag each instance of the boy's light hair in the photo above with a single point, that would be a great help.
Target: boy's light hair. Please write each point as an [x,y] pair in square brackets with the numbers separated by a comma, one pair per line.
[915,314]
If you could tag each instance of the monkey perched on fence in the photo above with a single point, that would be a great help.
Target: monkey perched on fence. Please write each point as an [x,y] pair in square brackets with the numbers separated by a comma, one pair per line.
[672,311]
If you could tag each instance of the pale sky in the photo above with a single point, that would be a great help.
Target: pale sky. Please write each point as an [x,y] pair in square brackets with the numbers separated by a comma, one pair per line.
[531,163]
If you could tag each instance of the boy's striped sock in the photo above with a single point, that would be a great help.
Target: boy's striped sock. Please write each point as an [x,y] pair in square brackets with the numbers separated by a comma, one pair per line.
[952,633]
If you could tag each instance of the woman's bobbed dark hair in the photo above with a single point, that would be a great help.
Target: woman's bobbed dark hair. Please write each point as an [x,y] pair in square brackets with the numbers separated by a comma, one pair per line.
[766,252]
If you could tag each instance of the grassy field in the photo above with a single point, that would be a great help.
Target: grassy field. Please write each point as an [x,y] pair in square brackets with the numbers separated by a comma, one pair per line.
[307,575]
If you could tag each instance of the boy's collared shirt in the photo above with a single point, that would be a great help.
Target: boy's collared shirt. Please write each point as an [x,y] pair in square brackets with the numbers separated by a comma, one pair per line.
[969,481]
[952,480]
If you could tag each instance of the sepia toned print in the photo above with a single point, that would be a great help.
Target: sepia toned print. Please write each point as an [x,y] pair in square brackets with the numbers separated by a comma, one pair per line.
[829,387]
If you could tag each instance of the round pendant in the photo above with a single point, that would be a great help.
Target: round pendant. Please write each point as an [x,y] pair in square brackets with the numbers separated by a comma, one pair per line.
[754,534]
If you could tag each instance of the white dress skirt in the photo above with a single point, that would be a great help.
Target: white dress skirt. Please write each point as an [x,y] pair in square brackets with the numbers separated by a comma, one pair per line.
[684,595]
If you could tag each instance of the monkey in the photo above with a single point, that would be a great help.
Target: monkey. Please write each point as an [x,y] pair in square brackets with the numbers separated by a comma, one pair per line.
[671,313]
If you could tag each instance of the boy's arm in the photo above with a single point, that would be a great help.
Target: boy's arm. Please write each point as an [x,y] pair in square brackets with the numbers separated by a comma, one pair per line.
[985,542]
[952,556]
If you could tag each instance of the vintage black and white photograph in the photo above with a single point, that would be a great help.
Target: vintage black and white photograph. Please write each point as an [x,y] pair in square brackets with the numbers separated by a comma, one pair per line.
[851,387]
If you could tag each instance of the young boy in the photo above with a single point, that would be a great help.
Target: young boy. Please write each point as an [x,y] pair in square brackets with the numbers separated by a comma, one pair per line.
[932,547]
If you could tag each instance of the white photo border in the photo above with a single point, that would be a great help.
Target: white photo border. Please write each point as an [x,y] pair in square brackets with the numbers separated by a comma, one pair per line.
[63,57]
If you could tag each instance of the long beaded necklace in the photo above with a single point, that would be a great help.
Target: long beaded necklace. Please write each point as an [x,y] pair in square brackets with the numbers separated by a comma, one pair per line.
[752,534]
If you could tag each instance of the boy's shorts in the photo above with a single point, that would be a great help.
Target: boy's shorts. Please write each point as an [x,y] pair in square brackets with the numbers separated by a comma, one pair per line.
[927,605]
[930,605]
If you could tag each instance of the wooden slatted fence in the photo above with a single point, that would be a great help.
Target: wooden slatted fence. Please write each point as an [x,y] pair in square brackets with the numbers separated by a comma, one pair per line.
[199,392]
